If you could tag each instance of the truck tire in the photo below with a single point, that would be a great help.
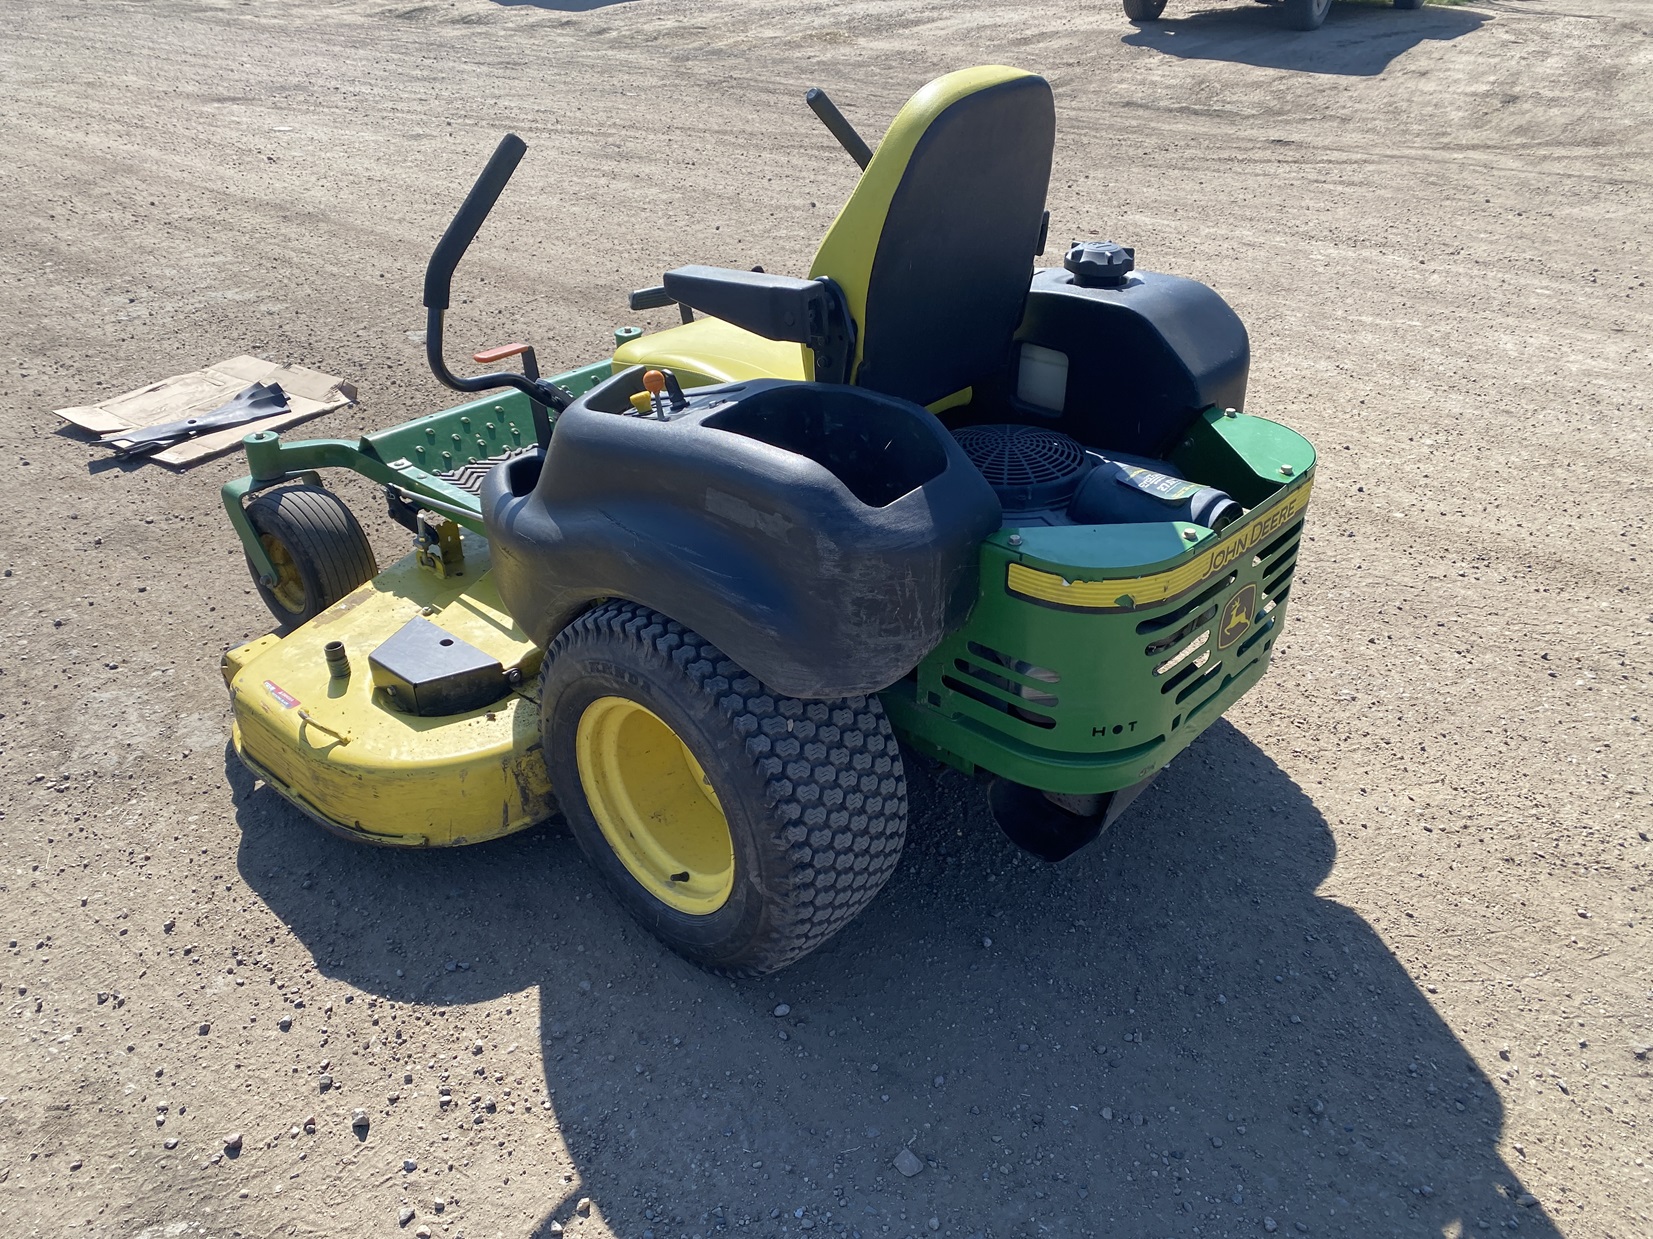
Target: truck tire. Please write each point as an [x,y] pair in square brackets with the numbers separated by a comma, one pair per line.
[317,546]
[1306,14]
[741,827]
[1144,10]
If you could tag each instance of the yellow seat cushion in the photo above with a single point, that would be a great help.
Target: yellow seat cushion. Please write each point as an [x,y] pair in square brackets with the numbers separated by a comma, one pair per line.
[710,350]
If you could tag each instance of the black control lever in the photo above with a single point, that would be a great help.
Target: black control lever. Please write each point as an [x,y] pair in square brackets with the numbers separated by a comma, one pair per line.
[655,298]
[840,128]
[467,222]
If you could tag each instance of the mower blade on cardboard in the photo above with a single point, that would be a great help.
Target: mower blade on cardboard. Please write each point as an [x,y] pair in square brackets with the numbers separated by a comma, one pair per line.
[251,404]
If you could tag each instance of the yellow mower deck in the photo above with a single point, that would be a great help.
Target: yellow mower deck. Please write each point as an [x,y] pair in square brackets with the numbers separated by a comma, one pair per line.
[339,750]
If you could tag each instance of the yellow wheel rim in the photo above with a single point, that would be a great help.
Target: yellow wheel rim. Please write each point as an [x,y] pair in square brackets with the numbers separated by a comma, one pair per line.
[289,587]
[655,806]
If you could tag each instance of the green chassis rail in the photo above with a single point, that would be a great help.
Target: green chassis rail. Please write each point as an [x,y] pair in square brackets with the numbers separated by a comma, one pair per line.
[1090,659]
[406,458]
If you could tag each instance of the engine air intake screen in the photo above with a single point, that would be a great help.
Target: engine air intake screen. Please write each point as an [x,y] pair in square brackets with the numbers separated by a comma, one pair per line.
[1029,466]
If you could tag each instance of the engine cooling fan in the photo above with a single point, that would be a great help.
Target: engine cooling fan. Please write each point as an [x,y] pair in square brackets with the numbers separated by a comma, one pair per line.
[1029,467]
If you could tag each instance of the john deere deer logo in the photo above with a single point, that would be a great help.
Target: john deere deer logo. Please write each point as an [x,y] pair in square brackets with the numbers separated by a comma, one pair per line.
[1237,617]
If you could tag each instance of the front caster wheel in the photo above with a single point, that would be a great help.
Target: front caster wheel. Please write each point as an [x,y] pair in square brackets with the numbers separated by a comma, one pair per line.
[741,827]
[317,547]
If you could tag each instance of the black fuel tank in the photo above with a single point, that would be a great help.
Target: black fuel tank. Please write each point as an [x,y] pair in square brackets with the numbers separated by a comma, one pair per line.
[1127,368]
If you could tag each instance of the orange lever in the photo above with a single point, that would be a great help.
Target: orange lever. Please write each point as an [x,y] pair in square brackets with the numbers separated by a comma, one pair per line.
[490,355]
[654,381]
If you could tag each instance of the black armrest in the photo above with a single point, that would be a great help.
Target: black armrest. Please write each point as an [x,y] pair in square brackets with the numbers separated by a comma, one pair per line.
[776,307]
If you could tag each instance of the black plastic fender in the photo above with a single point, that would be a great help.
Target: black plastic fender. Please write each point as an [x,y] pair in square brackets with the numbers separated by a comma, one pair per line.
[824,537]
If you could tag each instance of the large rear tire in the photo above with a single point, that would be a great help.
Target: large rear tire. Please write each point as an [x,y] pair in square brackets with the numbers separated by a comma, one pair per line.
[741,827]
[1307,14]
[317,546]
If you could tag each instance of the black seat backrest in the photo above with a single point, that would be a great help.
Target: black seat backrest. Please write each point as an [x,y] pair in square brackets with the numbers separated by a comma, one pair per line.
[935,248]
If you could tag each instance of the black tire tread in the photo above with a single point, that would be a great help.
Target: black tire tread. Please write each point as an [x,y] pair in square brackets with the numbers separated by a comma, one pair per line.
[321,531]
[833,780]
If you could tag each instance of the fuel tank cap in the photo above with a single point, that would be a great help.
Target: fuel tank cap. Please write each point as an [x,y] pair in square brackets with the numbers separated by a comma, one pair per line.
[1099,264]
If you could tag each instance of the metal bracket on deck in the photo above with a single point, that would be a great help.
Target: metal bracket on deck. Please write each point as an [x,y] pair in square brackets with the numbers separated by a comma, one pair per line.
[438,546]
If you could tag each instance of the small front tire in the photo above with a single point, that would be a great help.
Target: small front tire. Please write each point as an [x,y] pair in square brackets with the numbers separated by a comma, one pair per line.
[317,547]
[741,827]
[1144,10]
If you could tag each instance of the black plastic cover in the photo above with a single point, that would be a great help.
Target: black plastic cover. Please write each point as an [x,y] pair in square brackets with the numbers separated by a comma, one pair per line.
[824,537]
[1143,360]
[429,672]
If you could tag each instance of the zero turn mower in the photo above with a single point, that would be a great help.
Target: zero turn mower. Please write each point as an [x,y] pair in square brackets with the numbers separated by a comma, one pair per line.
[1298,14]
[700,595]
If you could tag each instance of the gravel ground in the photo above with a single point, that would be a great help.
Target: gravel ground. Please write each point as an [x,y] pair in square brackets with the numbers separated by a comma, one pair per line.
[1372,958]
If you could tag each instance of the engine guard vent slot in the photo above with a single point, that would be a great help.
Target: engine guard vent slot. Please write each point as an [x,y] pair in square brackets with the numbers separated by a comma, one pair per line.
[1029,467]
[1188,671]
[1263,630]
[979,694]
[1006,685]
[1289,537]
[1155,648]
[1276,583]
[1165,620]
[1279,558]
[1284,564]
[1200,706]
[1185,652]
[989,654]
[1187,692]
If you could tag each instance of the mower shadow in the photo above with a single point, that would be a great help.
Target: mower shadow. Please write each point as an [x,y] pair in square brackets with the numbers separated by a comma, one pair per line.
[1168,1033]
[1358,40]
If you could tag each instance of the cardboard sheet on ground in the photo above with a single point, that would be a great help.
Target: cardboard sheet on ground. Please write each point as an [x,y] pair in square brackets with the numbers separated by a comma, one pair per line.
[309,394]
